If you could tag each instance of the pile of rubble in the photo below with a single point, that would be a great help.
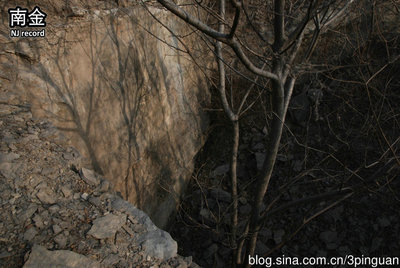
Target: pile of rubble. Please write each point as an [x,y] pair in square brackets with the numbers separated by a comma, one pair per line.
[54,212]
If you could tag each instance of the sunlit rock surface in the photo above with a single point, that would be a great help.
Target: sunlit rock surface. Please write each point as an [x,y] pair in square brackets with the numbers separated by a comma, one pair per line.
[129,102]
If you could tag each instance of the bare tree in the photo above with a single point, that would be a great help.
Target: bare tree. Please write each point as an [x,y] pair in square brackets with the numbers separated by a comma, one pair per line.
[288,35]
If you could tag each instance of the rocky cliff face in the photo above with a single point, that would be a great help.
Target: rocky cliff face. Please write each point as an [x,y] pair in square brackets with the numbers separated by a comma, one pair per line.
[54,215]
[130,103]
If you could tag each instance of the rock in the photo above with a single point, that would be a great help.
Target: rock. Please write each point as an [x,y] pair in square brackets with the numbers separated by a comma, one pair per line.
[128,230]
[210,251]
[106,226]
[38,221]
[336,213]
[158,244]
[261,248]
[245,209]
[260,157]
[24,50]
[178,263]
[138,228]
[8,138]
[384,222]
[121,205]
[376,243]
[89,176]
[5,254]
[258,146]
[221,195]
[7,169]
[194,265]
[29,138]
[242,200]
[48,133]
[61,240]
[110,260]
[297,165]
[84,196]
[282,158]
[47,171]
[30,234]
[299,109]
[41,257]
[104,186]
[68,156]
[242,171]
[278,235]
[54,209]
[56,229]
[37,178]
[330,238]
[46,196]
[205,214]
[19,182]
[251,165]
[220,170]
[8,157]
[95,201]
[188,260]
[344,250]
[182,91]
[67,192]
[265,233]
[78,12]
[27,213]
[321,253]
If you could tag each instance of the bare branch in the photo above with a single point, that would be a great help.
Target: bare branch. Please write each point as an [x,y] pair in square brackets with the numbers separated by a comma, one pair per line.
[232,42]
[311,11]
[171,6]
[279,24]
[306,200]
[257,31]
[221,69]
[335,16]
[237,5]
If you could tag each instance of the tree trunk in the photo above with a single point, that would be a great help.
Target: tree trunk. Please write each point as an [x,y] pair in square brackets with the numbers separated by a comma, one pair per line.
[269,162]
[234,216]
